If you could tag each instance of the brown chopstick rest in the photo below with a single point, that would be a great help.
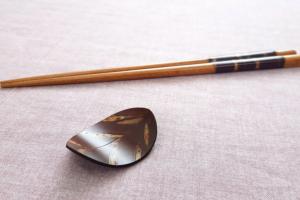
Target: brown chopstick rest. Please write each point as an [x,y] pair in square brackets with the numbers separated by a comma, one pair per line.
[119,140]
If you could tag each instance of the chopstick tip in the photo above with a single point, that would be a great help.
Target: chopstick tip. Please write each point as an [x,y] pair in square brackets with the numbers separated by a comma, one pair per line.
[2,85]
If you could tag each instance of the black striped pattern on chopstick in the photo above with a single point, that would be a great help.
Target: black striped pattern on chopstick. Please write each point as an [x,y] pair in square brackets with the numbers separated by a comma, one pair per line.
[247,65]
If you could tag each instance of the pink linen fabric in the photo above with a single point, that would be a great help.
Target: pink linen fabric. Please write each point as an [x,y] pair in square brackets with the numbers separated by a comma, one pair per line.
[229,136]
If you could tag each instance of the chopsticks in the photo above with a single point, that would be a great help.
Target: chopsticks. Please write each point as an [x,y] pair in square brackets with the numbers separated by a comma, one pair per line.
[265,60]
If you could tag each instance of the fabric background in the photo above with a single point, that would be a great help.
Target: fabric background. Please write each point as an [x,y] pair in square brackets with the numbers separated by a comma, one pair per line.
[228,136]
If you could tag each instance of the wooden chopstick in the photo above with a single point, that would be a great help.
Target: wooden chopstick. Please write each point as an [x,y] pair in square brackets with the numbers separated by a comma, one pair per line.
[170,64]
[208,68]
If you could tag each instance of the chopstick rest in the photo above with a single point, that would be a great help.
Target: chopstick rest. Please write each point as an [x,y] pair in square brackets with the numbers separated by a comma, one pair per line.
[121,139]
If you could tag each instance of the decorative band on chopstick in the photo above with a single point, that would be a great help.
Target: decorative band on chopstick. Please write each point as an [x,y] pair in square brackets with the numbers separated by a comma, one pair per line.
[246,65]
[253,55]
[274,63]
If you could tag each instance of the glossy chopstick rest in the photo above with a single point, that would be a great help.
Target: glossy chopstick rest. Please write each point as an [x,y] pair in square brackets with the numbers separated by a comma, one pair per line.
[121,139]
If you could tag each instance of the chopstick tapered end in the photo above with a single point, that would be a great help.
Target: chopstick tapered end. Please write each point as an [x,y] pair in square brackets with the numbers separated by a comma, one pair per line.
[3,85]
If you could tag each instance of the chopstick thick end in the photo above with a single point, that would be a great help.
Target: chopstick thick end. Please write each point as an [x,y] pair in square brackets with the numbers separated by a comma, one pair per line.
[286,52]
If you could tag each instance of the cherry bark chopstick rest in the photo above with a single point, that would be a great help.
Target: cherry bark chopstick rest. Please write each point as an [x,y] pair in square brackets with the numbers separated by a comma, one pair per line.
[121,139]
